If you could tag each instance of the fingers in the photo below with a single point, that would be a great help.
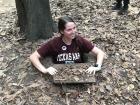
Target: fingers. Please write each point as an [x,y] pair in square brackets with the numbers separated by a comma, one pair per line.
[52,70]
[90,70]
[93,70]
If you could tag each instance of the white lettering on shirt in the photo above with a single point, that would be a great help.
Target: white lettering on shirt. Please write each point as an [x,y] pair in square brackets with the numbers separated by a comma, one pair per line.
[68,57]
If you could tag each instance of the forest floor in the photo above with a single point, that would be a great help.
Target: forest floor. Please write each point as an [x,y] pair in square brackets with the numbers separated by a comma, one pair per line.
[117,35]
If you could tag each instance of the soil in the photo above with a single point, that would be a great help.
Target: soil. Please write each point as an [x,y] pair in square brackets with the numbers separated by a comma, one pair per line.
[117,35]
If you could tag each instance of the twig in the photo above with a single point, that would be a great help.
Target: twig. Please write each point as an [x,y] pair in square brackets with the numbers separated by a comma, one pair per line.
[67,99]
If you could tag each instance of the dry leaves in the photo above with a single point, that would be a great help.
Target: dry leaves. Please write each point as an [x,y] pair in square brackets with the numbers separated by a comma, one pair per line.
[118,36]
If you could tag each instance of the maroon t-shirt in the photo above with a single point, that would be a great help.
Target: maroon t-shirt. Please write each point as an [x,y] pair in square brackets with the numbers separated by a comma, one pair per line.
[62,53]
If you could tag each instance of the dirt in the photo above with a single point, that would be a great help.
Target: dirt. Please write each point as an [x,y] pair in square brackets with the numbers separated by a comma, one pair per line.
[117,35]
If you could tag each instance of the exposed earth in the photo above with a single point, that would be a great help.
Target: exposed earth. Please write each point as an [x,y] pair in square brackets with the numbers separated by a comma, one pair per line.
[117,35]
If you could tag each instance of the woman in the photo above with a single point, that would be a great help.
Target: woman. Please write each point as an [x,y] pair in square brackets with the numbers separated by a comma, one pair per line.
[69,47]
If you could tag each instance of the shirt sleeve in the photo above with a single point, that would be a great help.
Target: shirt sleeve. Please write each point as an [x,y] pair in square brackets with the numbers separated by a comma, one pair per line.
[86,46]
[45,49]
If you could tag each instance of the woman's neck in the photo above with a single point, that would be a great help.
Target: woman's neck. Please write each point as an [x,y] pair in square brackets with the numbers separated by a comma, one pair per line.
[66,41]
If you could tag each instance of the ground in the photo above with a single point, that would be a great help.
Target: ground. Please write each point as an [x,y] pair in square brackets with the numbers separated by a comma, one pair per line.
[117,35]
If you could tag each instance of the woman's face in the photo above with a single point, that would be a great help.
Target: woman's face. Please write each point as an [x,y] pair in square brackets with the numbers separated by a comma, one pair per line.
[70,30]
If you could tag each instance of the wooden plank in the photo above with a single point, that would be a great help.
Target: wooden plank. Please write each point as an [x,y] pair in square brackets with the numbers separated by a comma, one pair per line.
[73,73]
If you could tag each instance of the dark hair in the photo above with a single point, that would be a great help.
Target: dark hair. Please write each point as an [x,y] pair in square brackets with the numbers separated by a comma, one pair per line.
[63,21]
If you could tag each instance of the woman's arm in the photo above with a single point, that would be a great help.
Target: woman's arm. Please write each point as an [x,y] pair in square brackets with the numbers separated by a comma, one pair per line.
[100,55]
[35,59]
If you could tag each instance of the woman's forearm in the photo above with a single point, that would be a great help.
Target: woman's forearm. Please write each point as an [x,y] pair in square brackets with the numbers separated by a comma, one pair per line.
[34,58]
[100,57]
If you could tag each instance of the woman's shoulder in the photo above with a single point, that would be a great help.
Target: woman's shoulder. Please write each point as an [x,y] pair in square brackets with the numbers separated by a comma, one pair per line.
[55,39]
[80,37]
[52,41]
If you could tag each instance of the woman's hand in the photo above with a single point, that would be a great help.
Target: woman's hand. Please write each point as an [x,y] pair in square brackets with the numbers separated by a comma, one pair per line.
[51,71]
[93,69]
[36,62]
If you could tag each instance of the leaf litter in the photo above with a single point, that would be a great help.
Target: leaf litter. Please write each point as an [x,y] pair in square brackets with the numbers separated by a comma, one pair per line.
[118,36]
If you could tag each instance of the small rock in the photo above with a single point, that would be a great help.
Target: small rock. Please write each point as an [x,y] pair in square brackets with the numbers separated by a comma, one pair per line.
[76,78]
[80,100]
[130,87]
[108,87]
[125,65]
[102,89]
[128,103]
